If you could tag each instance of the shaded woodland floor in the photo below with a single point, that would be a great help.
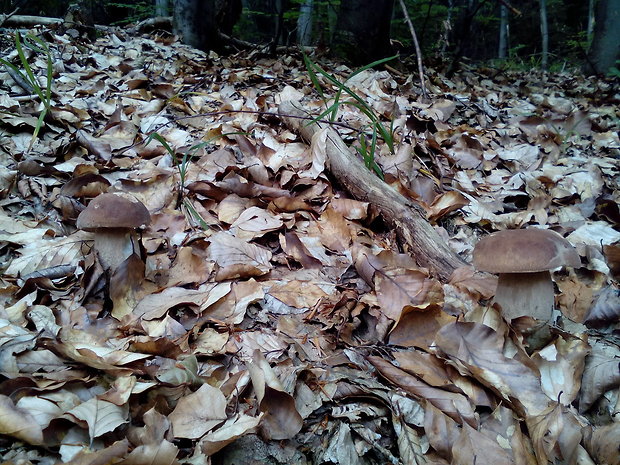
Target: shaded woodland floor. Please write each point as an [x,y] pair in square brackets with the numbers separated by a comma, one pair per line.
[270,317]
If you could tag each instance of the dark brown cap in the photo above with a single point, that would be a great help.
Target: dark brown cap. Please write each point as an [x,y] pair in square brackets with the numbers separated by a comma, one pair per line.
[524,251]
[113,211]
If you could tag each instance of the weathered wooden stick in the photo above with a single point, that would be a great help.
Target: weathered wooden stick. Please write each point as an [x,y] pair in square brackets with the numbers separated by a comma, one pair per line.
[408,219]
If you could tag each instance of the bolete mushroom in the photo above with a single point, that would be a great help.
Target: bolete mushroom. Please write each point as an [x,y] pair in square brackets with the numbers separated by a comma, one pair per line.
[113,218]
[523,258]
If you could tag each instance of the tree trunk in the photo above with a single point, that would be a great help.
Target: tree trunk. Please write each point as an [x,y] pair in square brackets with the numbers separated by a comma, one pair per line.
[405,216]
[194,21]
[304,23]
[502,51]
[162,7]
[199,22]
[544,32]
[605,50]
[363,31]
[590,32]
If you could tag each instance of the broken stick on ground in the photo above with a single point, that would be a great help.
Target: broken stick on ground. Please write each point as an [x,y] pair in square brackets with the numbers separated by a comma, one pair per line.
[415,232]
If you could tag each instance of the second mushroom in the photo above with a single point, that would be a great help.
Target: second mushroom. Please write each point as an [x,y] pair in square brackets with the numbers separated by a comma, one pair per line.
[523,259]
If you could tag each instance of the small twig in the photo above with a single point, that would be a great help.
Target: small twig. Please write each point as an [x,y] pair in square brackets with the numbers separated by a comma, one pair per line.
[3,18]
[418,52]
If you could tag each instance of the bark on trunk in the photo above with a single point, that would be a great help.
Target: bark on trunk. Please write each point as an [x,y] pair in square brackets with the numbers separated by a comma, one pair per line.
[416,234]
[363,31]
[606,43]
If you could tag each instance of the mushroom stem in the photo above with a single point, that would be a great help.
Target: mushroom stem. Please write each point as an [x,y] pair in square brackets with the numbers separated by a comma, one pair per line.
[113,247]
[530,294]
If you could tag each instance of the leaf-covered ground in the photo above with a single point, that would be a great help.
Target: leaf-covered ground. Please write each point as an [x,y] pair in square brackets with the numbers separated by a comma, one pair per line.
[270,317]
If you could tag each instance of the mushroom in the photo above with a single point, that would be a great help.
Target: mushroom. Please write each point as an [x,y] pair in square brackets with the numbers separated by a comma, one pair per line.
[523,258]
[113,218]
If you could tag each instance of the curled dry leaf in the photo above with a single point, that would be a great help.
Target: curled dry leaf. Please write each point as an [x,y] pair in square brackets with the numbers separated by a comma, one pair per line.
[281,419]
[602,372]
[477,350]
[456,406]
[556,434]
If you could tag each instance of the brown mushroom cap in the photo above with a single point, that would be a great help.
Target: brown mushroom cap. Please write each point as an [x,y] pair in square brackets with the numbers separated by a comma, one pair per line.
[113,211]
[524,251]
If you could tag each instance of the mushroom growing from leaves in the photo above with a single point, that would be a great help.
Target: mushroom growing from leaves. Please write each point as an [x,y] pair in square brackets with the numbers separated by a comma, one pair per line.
[113,218]
[523,259]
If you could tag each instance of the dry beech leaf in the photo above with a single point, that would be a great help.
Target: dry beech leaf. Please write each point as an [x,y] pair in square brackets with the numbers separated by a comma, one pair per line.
[106,455]
[46,253]
[603,444]
[456,406]
[189,267]
[602,372]
[18,423]
[295,248]
[556,435]
[281,419]
[235,427]
[418,329]
[446,203]
[127,286]
[441,430]
[289,293]
[198,412]
[99,415]
[561,365]
[151,441]
[606,308]
[237,258]
[232,307]
[477,350]
[255,222]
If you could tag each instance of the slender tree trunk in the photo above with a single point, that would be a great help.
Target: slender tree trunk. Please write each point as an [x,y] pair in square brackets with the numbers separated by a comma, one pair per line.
[162,8]
[590,20]
[363,31]
[605,50]
[304,23]
[502,51]
[194,21]
[544,32]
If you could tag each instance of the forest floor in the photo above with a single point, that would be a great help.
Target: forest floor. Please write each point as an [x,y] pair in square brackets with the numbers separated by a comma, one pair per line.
[272,318]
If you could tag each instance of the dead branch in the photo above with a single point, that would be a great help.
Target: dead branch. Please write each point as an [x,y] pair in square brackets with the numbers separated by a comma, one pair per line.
[408,219]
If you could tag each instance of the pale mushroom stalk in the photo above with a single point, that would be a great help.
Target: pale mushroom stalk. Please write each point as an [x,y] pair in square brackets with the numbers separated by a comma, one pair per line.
[114,246]
[529,294]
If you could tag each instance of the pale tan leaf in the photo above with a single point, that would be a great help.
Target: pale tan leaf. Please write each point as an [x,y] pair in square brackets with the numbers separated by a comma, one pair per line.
[101,416]
[474,448]
[42,410]
[603,443]
[289,293]
[255,222]
[45,253]
[18,423]
[234,428]
[561,365]
[199,412]
[237,258]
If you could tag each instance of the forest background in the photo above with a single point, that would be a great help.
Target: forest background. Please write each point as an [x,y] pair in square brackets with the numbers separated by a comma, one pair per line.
[550,34]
